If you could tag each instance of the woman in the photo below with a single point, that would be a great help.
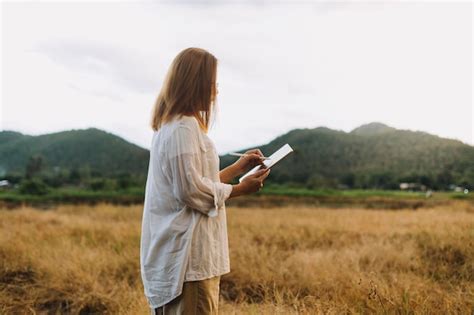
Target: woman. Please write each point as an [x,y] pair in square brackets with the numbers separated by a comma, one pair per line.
[184,247]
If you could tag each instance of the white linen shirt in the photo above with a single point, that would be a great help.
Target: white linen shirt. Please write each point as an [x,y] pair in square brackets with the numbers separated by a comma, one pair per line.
[184,228]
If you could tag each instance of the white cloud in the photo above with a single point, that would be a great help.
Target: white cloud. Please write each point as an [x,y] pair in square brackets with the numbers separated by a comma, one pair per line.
[281,66]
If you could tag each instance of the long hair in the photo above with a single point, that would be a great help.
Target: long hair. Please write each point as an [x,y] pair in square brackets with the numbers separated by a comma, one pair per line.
[189,89]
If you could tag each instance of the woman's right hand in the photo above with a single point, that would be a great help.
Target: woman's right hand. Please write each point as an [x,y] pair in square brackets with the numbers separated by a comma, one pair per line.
[251,183]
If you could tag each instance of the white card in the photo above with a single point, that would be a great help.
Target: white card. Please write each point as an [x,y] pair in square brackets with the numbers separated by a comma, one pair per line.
[273,159]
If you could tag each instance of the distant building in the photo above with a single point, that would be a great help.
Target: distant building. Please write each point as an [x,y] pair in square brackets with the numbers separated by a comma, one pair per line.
[404,186]
[457,188]
[5,183]
[412,187]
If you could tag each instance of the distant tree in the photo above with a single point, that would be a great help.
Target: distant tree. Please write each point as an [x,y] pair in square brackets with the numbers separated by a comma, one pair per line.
[279,177]
[383,180]
[85,173]
[33,187]
[410,178]
[74,177]
[57,178]
[426,180]
[34,166]
[13,178]
[362,180]
[444,179]
[97,184]
[348,179]
[315,181]
[96,173]
[124,181]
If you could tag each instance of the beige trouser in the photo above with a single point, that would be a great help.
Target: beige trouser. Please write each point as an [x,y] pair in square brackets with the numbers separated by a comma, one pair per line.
[198,298]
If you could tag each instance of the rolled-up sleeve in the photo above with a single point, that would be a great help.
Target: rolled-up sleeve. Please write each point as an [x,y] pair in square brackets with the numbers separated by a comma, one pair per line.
[189,186]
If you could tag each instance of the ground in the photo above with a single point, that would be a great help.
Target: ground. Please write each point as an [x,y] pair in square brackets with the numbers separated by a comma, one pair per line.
[296,259]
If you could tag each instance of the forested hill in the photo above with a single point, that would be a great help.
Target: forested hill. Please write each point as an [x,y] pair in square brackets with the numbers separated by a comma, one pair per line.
[373,155]
[370,156]
[96,150]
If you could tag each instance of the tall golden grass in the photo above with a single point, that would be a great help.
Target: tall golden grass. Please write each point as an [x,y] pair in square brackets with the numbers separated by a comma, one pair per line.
[287,260]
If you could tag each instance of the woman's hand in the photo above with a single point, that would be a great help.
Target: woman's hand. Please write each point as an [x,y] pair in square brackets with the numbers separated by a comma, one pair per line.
[251,159]
[251,183]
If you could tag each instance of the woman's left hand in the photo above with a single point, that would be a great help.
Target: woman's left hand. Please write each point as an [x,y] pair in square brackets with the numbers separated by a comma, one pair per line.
[251,159]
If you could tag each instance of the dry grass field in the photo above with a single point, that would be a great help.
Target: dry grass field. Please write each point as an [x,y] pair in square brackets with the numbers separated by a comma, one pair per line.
[285,260]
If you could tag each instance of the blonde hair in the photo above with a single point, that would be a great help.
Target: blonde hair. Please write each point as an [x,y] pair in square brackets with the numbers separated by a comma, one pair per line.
[189,89]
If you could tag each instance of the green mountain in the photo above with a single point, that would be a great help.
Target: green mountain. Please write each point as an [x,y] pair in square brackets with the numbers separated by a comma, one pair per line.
[373,155]
[372,128]
[370,156]
[99,151]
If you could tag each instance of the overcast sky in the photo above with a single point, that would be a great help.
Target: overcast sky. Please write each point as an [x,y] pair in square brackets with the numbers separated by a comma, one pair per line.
[281,66]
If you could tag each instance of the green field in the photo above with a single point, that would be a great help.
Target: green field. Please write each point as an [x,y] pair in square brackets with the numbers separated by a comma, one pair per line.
[359,193]
[75,195]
